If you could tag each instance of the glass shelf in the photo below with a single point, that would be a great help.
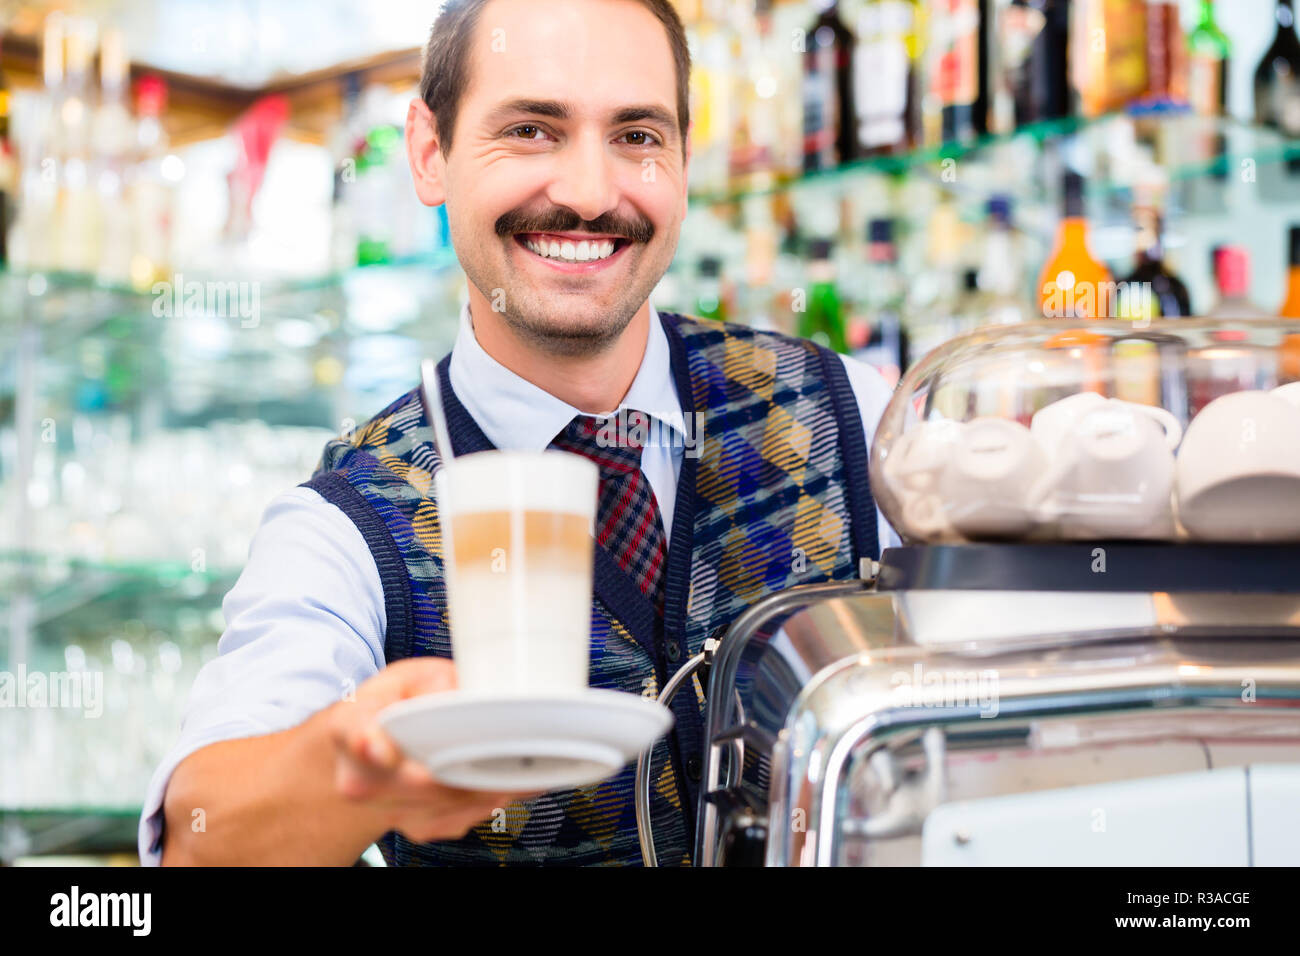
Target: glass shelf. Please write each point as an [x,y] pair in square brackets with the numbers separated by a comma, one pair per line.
[77,304]
[61,586]
[46,831]
[1085,138]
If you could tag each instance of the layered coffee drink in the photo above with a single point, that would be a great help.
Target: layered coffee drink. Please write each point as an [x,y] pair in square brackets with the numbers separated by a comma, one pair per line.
[518,556]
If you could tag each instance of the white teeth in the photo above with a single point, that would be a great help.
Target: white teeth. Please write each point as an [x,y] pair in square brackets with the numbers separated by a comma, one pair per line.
[567,251]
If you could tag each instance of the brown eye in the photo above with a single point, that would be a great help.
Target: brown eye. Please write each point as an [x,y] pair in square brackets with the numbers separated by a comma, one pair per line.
[638,138]
[527,132]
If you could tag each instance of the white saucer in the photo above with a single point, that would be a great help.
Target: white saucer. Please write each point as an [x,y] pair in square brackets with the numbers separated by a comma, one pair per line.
[538,742]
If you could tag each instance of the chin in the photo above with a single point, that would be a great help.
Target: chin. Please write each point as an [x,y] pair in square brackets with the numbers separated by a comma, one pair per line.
[572,327]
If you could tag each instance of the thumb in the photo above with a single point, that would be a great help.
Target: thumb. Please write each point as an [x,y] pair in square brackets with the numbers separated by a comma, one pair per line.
[414,676]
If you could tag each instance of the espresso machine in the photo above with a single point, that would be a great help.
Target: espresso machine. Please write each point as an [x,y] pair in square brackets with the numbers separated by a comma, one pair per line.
[1048,697]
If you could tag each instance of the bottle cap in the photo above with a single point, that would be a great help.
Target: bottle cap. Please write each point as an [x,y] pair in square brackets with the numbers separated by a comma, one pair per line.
[710,267]
[1232,271]
[999,209]
[819,249]
[970,280]
[1295,246]
[880,230]
[1072,192]
[150,94]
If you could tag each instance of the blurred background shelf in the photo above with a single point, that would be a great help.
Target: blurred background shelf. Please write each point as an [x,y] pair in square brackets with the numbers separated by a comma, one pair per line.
[90,834]
[213,262]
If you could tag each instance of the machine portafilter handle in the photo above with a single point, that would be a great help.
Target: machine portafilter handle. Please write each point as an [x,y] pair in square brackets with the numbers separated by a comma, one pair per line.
[644,829]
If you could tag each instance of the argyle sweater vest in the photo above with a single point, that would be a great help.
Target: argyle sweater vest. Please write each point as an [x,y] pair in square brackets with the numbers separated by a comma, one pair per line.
[772,493]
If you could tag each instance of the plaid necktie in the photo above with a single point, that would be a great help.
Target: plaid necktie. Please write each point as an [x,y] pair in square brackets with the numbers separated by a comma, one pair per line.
[627,516]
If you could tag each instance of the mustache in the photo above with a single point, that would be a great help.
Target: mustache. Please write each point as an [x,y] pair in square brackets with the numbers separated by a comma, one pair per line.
[560,219]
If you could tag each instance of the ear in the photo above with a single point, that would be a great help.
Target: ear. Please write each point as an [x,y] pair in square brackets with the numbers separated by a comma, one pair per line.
[424,153]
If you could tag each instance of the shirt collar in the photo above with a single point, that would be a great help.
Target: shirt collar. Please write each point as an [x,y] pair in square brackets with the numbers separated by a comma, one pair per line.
[517,415]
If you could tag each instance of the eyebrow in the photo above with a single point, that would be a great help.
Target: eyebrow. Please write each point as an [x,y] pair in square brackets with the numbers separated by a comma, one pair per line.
[552,108]
[555,109]
[655,114]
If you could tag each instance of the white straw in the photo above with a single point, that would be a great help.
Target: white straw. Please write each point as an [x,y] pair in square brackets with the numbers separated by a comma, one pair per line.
[432,390]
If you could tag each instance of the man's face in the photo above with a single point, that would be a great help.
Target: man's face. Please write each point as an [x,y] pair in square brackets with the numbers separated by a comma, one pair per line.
[565,182]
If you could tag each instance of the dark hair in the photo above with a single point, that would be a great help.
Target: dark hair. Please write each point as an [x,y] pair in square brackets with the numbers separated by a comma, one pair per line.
[446,61]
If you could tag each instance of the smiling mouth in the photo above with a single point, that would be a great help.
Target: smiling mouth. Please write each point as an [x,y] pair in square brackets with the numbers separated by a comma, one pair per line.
[572,250]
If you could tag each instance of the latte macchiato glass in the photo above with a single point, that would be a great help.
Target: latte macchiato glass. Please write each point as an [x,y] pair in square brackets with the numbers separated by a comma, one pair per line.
[517,549]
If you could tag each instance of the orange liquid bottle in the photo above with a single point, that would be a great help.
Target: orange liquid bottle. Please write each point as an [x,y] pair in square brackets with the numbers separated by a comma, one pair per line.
[1073,284]
[1291,306]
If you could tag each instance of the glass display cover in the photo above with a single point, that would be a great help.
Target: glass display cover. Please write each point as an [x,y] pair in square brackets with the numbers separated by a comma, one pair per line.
[1169,430]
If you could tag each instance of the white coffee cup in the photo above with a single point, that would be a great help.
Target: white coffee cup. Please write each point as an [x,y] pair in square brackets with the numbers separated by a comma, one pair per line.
[1112,473]
[920,454]
[925,517]
[517,547]
[1054,425]
[986,487]
[1238,472]
[1290,392]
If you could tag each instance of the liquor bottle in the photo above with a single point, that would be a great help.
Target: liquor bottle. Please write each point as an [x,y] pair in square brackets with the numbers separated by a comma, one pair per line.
[877,333]
[8,171]
[1152,290]
[822,319]
[955,107]
[759,156]
[886,77]
[1232,279]
[1033,38]
[1001,299]
[1166,56]
[31,241]
[113,132]
[1073,284]
[1277,79]
[346,143]
[375,195]
[710,303]
[710,105]
[149,193]
[1291,305]
[1108,52]
[1209,52]
[829,124]
[1290,350]
[77,224]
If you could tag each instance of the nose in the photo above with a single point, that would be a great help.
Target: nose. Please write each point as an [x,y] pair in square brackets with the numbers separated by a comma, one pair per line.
[585,178]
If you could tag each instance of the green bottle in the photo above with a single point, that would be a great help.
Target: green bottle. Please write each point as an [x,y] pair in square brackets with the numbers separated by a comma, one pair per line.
[1207,84]
[373,194]
[823,318]
[709,301]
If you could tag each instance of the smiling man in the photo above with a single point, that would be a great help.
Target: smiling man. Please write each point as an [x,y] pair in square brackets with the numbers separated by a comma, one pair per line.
[555,133]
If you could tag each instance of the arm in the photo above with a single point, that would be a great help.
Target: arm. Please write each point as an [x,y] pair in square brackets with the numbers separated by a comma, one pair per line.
[269,767]
[319,793]
[268,799]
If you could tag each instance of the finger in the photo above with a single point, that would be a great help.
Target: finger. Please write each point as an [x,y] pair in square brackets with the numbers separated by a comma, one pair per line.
[379,749]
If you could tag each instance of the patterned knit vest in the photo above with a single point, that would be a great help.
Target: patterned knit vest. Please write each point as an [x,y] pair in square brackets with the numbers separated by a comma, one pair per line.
[772,493]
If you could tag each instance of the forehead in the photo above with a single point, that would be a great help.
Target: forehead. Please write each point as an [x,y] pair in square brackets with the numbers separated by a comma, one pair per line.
[598,55]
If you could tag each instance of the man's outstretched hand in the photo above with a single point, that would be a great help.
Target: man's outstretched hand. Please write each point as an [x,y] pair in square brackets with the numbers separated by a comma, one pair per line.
[372,770]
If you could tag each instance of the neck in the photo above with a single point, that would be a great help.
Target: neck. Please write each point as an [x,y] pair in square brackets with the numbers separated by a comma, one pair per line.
[593,384]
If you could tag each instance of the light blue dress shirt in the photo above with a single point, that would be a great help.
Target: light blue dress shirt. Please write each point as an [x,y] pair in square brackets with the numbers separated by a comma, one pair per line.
[305,620]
